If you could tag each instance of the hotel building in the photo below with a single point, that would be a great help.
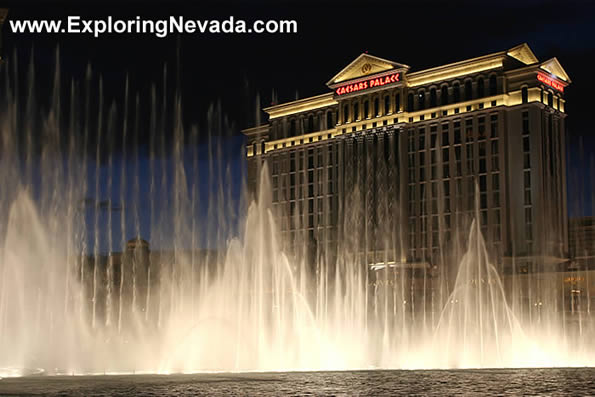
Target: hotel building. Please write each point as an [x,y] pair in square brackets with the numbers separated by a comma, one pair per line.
[405,159]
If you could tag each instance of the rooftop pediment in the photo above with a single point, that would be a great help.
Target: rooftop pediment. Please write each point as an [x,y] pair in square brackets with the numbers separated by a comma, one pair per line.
[365,65]
[554,67]
[523,54]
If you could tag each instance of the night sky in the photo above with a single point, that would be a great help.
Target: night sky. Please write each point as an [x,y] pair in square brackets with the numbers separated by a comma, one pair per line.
[230,70]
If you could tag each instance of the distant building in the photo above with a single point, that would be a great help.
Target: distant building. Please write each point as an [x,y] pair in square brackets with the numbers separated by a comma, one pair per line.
[127,286]
[391,153]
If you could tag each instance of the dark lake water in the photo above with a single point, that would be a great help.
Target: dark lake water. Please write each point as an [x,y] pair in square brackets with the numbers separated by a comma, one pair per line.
[539,382]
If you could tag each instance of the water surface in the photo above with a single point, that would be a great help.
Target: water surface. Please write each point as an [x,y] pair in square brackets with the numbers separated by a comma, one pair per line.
[549,381]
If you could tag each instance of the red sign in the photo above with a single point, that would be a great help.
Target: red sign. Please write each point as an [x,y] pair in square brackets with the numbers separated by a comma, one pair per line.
[549,81]
[370,83]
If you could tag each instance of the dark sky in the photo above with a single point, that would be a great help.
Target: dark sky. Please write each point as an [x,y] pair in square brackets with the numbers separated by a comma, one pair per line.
[232,69]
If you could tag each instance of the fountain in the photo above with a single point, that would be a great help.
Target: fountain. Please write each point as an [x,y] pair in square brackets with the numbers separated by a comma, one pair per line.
[213,288]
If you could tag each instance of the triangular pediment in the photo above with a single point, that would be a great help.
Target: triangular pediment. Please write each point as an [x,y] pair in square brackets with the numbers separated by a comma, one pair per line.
[523,54]
[365,65]
[553,66]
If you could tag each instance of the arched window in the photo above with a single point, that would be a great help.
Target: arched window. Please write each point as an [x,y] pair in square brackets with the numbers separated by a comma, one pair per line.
[345,114]
[421,99]
[480,88]
[433,103]
[355,111]
[410,102]
[493,85]
[456,92]
[329,120]
[376,111]
[550,99]
[468,90]
[387,104]
[366,109]
[525,94]
[444,95]
[397,102]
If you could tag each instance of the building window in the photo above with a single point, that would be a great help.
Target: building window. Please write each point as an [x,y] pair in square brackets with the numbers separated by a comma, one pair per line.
[550,99]
[527,197]
[397,102]
[480,88]
[387,104]
[310,123]
[468,90]
[445,135]
[366,109]
[345,114]
[525,122]
[410,102]
[422,139]
[355,111]
[494,125]
[493,85]
[421,100]
[456,92]
[527,160]
[525,94]
[433,103]
[444,95]
[457,132]
[292,131]
[329,120]
[376,107]
[469,130]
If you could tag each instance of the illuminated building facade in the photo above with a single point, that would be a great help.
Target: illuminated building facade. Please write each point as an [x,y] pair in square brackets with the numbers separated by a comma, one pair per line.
[406,159]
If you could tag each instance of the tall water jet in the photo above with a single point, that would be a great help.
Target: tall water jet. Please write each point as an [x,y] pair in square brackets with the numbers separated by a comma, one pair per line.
[477,327]
[235,287]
